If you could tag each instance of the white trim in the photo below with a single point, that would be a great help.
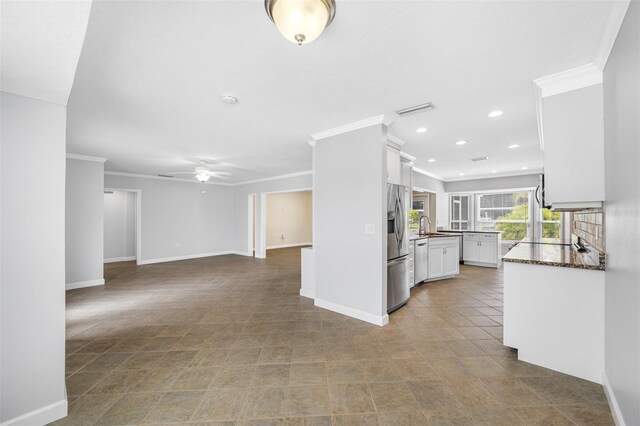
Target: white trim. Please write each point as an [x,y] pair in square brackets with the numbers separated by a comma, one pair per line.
[616,17]
[278,246]
[284,191]
[613,402]
[289,175]
[242,253]
[396,140]
[537,96]
[174,179]
[40,416]
[568,80]
[184,257]
[119,259]
[261,243]
[356,125]
[312,143]
[496,175]
[86,158]
[353,313]
[426,173]
[306,293]
[251,222]
[408,157]
[83,284]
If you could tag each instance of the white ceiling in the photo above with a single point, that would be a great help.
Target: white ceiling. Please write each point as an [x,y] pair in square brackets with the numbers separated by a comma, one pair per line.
[41,43]
[148,85]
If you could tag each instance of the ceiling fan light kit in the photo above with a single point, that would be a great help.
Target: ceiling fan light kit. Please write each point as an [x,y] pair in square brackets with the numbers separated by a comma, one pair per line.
[301,21]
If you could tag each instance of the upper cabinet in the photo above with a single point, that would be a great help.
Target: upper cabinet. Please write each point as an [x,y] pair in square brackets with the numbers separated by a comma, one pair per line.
[394,166]
[571,126]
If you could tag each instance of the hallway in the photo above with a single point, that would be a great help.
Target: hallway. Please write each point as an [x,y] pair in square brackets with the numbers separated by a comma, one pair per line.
[227,340]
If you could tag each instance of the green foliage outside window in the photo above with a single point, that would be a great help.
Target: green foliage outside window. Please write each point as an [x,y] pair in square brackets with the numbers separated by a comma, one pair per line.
[414,217]
[517,231]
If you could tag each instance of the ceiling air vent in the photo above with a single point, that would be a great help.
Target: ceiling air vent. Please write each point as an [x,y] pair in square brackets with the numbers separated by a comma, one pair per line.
[416,108]
[479,158]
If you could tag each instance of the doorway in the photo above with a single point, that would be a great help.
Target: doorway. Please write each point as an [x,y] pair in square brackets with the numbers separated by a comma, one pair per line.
[121,225]
[286,219]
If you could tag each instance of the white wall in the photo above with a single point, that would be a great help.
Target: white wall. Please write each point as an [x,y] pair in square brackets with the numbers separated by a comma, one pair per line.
[119,226]
[351,266]
[84,233]
[240,211]
[32,252]
[438,187]
[622,223]
[178,221]
[289,219]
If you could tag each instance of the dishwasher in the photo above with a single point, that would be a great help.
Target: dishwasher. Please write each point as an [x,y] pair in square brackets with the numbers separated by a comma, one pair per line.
[421,260]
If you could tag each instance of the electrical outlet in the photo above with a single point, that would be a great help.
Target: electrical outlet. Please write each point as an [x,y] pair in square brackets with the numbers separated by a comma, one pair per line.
[369,229]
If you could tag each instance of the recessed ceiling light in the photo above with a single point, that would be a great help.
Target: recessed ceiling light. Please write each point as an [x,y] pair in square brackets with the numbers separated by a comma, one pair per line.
[494,171]
[494,114]
[421,130]
[461,142]
[514,146]
[228,99]
[461,174]
[431,160]
[524,168]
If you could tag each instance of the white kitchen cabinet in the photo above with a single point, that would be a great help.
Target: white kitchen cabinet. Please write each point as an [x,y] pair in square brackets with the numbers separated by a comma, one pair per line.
[394,166]
[571,125]
[406,174]
[443,258]
[481,249]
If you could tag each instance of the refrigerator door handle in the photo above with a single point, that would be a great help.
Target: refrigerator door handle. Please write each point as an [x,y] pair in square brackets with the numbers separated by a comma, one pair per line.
[398,261]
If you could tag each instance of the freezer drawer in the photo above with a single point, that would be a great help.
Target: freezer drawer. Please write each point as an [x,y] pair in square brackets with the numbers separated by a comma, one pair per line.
[397,283]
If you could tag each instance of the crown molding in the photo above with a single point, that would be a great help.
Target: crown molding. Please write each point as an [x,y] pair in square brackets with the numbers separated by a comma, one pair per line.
[496,175]
[409,158]
[616,16]
[312,142]
[289,175]
[571,79]
[426,173]
[142,176]
[356,125]
[396,140]
[86,158]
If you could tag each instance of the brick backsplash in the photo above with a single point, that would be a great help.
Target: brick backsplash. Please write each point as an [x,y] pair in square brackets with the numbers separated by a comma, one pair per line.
[589,226]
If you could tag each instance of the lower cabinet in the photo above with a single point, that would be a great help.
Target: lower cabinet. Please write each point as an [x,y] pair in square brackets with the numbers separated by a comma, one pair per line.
[443,258]
[481,249]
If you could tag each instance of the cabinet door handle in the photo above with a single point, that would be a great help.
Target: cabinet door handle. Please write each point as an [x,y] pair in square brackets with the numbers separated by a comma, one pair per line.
[444,251]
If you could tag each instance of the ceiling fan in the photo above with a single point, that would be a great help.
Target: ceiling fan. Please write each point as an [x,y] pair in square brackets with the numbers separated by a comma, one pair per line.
[203,173]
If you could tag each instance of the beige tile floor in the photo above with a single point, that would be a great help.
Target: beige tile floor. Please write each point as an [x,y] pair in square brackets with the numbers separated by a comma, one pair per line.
[227,340]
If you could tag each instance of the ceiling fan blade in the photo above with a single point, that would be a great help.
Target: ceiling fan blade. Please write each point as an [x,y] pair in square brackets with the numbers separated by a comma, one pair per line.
[215,173]
[180,173]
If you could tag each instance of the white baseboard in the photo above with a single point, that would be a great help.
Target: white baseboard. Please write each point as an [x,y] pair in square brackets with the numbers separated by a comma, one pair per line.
[41,416]
[83,284]
[185,257]
[243,253]
[278,246]
[613,402]
[353,313]
[120,259]
[307,293]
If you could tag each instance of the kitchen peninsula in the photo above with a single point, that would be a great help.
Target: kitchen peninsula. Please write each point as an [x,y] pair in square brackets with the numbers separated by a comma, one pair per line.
[543,283]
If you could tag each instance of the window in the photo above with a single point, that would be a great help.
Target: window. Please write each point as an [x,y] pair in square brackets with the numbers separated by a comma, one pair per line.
[507,213]
[419,207]
[460,205]
[551,223]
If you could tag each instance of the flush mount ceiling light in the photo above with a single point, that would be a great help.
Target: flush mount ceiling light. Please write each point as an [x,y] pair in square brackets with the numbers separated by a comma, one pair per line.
[421,130]
[514,146]
[301,21]
[494,114]
[431,160]
[461,174]
[461,142]
[494,171]
[228,99]
[524,168]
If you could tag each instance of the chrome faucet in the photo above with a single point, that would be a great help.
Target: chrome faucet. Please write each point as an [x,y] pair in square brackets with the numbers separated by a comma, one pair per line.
[423,226]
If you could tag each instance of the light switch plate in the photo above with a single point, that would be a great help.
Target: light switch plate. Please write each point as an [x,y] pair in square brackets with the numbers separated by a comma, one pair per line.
[369,229]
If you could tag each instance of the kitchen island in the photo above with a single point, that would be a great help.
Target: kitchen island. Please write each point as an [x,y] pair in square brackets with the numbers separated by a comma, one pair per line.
[554,307]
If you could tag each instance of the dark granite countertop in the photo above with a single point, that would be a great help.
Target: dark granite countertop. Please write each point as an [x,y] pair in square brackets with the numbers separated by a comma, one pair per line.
[551,252]
[414,237]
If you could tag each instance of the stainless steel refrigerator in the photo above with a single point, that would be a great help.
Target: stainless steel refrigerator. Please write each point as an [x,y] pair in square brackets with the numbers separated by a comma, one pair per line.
[397,247]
